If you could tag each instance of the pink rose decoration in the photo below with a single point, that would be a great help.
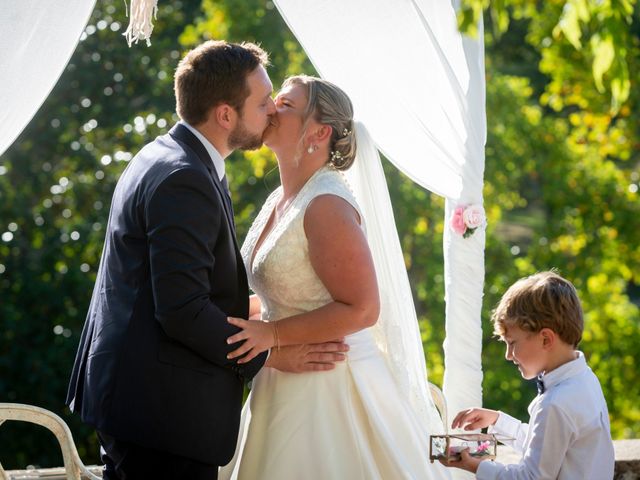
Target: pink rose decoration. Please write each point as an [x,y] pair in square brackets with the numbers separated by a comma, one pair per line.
[457,221]
[473,216]
[466,219]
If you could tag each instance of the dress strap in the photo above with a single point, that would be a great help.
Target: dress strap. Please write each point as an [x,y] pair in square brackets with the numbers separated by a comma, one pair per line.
[329,181]
[258,226]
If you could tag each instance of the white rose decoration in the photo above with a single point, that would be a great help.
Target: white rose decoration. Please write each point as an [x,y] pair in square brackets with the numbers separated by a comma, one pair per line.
[473,216]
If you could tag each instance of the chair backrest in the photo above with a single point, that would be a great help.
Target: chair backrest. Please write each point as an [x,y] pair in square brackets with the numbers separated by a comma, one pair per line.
[74,467]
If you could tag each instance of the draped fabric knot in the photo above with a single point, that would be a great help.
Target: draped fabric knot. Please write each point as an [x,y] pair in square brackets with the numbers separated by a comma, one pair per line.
[141,14]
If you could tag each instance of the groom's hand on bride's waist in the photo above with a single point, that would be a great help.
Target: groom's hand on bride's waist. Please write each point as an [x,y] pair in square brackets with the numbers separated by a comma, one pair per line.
[308,358]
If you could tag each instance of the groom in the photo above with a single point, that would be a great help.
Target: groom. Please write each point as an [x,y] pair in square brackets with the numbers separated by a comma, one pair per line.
[151,373]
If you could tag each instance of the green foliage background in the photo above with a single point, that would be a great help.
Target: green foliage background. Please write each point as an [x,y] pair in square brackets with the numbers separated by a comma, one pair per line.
[562,179]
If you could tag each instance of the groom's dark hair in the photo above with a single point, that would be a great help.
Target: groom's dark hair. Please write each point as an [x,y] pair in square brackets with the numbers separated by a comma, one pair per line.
[215,73]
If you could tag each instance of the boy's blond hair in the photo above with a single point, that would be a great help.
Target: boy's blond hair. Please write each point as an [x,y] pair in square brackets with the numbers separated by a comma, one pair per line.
[543,300]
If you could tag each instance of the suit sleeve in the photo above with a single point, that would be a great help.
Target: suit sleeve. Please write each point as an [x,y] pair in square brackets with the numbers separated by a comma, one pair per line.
[184,218]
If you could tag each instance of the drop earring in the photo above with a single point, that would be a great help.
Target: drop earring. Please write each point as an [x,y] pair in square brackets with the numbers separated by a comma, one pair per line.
[311,149]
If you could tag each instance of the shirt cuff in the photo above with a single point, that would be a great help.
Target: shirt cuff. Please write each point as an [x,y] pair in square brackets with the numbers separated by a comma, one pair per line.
[505,425]
[488,470]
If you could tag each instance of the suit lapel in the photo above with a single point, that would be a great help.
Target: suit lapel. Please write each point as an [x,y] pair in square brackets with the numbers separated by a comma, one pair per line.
[183,135]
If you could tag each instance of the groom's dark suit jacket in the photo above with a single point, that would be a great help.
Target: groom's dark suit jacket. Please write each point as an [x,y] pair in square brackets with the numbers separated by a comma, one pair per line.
[151,367]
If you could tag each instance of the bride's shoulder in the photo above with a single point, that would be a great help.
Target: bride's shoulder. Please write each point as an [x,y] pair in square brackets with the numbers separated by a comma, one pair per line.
[330,180]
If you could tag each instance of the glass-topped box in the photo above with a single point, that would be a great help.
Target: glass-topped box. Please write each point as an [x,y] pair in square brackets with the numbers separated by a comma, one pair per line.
[448,447]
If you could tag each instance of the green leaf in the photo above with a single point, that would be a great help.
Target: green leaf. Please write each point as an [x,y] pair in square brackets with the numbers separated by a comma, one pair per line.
[573,13]
[620,86]
[603,55]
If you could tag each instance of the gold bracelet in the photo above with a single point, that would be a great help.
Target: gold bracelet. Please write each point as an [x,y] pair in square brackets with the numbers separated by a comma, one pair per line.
[276,336]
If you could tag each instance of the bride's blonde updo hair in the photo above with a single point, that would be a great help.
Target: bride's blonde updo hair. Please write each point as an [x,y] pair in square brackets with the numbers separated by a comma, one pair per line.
[329,105]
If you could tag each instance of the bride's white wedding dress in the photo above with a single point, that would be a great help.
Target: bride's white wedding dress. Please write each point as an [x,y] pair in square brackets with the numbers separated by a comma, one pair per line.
[347,423]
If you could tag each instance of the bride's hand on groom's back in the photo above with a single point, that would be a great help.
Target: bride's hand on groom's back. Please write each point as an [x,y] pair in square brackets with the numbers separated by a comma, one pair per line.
[257,336]
[307,358]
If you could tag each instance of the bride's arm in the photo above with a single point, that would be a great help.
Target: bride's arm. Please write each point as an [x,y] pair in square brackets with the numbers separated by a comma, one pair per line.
[340,256]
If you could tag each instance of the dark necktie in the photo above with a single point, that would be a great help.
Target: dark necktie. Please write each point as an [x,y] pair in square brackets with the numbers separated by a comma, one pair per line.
[540,385]
[227,199]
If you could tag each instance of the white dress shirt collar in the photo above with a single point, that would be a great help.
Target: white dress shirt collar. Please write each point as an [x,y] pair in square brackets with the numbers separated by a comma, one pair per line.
[567,370]
[216,158]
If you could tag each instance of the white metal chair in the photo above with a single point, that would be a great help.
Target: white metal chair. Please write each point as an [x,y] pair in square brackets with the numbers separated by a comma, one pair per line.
[74,468]
[441,404]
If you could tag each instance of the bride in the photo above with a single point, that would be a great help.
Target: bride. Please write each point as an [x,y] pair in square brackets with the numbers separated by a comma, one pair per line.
[309,262]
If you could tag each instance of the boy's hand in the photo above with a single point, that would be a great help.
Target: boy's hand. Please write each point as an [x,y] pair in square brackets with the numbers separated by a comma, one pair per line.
[475,418]
[466,462]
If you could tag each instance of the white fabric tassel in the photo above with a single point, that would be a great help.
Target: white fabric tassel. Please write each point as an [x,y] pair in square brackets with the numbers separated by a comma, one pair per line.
[140,20]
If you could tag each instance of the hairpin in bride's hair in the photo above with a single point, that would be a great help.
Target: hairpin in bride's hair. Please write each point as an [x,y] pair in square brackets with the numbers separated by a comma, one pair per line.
[336,156]
[346,132]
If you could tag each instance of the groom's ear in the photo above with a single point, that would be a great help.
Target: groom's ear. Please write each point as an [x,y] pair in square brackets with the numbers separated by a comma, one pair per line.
[225,116]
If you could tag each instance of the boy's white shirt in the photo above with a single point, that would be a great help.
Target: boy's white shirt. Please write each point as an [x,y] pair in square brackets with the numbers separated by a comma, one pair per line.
[568,436]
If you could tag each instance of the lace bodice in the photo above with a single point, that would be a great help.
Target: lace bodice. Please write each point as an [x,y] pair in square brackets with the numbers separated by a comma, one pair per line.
[281,272]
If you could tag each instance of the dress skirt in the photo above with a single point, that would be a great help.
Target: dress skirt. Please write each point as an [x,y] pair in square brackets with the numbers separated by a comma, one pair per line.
[347,423]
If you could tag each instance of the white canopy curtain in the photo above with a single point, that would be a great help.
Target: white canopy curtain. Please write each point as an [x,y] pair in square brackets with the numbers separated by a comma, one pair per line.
[37,39]
[418,86]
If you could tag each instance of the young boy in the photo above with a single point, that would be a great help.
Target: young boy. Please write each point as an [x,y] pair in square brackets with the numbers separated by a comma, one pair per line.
[568,437]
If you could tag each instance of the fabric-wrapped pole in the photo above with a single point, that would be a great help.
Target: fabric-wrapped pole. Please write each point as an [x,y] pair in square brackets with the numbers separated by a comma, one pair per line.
[420,92]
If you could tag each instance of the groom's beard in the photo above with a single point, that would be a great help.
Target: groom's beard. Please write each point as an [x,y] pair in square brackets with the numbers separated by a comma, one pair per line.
[243,139]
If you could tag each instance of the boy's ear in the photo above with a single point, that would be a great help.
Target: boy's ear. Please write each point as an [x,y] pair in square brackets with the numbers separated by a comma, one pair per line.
[548,337]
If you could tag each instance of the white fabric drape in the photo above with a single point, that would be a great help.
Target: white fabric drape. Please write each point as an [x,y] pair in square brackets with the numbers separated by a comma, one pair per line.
[418,86]
[396,333]
[36,41]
